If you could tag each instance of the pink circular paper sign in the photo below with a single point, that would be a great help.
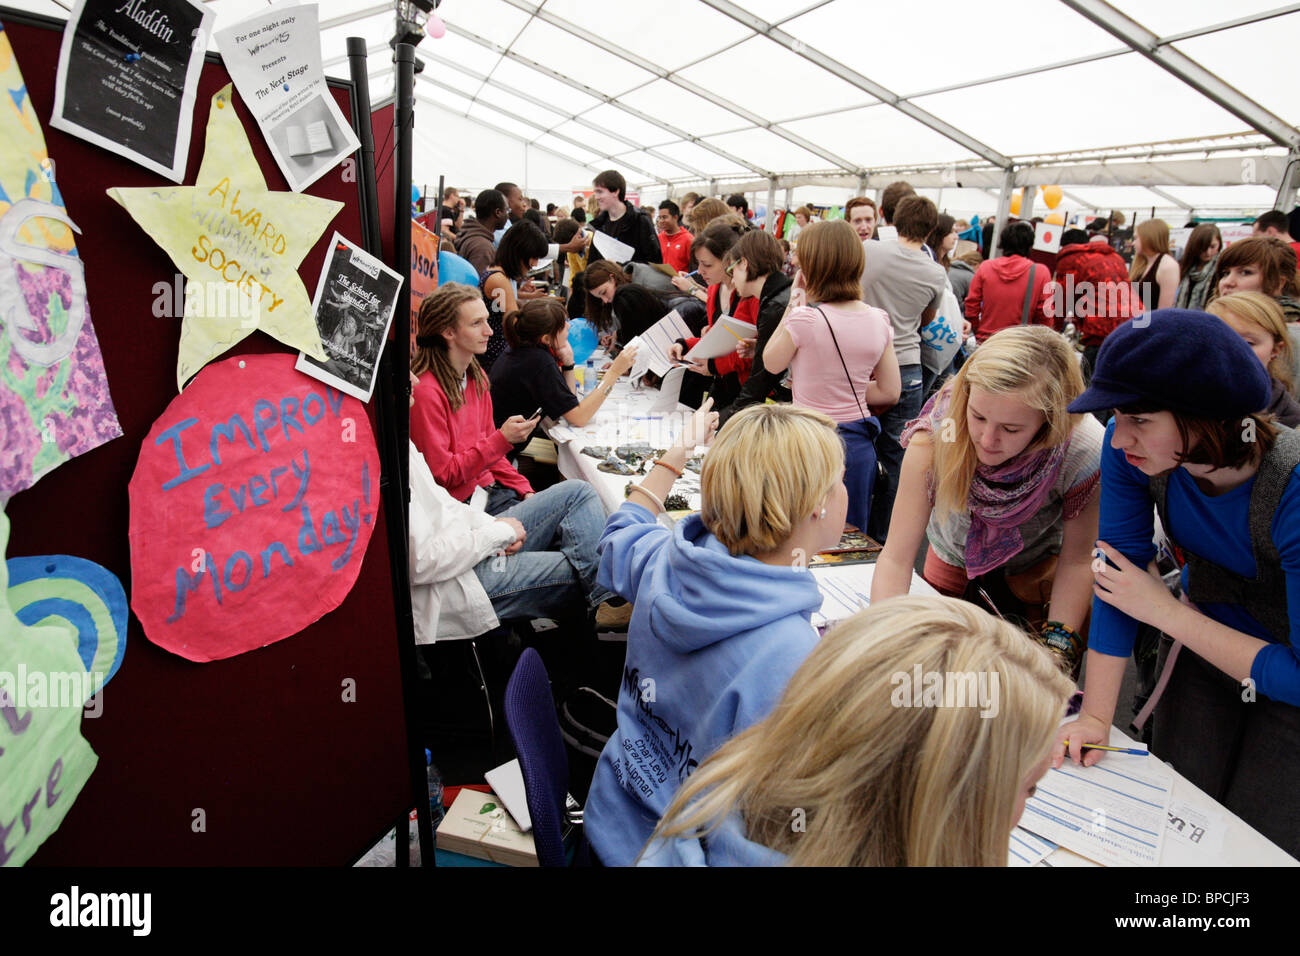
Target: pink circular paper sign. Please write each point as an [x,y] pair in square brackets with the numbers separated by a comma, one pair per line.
[251,507]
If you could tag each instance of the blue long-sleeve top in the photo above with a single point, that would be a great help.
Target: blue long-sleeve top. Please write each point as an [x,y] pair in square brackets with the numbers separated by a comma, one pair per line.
[1216,527]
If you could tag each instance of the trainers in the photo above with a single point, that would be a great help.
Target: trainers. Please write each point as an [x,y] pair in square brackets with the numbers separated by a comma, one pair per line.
[610,618]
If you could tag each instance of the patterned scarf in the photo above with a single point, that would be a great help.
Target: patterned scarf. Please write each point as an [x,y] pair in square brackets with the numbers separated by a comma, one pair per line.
[1002,497]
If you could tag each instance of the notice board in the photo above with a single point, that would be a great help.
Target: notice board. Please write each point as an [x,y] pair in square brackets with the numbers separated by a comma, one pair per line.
[292,754]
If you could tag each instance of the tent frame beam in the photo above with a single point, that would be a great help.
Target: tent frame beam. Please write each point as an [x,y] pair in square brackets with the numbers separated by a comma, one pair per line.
[854,78]
[678,134]
[1184,68]
[627,56]
[535,125]
[568,117]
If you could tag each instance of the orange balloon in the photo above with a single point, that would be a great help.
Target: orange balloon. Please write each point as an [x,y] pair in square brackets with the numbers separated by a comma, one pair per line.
[1052,196]
[1055,218]
[1015,205]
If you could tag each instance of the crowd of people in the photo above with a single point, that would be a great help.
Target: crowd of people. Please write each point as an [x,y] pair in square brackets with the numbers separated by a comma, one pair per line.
[1008,427]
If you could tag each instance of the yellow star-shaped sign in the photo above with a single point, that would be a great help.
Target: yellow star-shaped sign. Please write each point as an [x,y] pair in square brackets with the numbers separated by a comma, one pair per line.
[238,244]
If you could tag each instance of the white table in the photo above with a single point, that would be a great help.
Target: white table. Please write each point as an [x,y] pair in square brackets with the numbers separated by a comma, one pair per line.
[625,418]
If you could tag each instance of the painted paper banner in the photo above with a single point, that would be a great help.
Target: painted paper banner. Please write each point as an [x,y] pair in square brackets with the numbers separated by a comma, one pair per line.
[80,594]
[424,271]
[251,508]
[44,760]
[54,400]
[238,244]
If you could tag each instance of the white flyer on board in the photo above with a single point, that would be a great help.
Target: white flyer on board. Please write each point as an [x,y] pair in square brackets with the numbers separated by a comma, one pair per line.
[274,59]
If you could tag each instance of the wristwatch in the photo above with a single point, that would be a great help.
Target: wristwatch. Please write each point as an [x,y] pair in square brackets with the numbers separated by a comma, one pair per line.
[567,368]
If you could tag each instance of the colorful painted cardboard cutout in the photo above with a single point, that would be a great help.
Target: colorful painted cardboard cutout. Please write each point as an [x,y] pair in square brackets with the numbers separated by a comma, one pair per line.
[251,508]
[54,400]
[62,589]
[44,760]
[238,244]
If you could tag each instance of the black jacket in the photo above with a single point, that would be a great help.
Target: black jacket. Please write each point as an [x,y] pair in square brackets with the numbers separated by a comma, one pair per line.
[634,228]
[772,303]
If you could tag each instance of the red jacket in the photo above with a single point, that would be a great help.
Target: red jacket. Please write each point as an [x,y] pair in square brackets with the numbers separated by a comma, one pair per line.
[463,448]
[676,249]
[1095,288]
[746,310]
[997,295]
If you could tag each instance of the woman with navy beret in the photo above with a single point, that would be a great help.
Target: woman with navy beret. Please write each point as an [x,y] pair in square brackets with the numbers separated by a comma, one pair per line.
[1189,438]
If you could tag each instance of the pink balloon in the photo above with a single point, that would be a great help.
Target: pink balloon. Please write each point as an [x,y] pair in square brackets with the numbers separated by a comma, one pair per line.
[434,26]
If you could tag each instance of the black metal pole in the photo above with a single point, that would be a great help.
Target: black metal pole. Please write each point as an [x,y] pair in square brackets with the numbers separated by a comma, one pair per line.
[370,238]
[397,401]
[392,413]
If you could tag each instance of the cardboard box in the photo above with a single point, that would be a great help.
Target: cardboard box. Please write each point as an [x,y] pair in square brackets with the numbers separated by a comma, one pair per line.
[478,825]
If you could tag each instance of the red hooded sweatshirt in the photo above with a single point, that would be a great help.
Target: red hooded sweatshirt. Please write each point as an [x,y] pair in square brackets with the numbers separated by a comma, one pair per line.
[997,295]
[1095,287]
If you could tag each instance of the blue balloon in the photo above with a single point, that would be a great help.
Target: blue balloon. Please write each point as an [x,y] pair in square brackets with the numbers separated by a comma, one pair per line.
[452,268]
[583,340]
[415,193]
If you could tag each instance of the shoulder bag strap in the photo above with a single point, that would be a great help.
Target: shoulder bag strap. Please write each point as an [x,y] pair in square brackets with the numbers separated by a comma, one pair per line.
[1029,294]
[842,364]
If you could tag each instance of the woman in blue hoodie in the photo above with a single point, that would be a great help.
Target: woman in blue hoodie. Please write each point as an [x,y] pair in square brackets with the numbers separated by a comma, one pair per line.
[722,605]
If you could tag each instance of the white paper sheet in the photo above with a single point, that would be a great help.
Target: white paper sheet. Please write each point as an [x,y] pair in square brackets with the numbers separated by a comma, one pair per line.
[653,345]
[721,339]
[1114,812]
[274,58]
[1027,849]
[1197,828]
[670,390]
[612,248]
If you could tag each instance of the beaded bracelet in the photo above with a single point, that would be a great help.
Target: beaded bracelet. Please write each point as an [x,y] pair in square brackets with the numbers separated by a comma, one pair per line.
[663,464]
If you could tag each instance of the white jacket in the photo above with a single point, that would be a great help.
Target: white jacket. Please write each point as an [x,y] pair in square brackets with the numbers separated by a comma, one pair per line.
[447,539]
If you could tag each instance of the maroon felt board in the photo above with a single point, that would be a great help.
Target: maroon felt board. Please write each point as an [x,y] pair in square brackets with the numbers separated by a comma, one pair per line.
[284,770]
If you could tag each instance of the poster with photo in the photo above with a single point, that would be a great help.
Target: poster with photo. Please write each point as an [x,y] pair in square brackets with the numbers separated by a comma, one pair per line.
[274,59]
[128,71]
[354,305]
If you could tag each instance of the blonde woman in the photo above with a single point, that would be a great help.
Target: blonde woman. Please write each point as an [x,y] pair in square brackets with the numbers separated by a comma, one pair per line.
[1260,322]
[1002,481]
[1154,270]
[722,605]
[847,772]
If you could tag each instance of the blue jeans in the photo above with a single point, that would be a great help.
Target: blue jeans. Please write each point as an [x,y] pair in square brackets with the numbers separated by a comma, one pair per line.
[557,566]
[890,452]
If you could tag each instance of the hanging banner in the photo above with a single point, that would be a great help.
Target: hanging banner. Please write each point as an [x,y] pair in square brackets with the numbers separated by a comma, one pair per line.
[251,508]
[128,72]
[54,399]
[355,301]
[274,59]
[424,271]
[238,244]
[44,760]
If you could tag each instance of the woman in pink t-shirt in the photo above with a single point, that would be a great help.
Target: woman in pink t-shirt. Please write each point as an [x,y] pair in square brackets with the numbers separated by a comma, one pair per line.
[840,351]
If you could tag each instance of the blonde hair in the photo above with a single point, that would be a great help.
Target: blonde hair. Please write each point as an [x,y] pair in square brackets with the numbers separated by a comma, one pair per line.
[1029,358]
[881,782]
[769,467]
[438,312]
[1261,310]
[1154,234]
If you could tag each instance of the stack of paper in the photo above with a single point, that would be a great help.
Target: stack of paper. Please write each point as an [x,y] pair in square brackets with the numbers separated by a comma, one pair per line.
[721,339]
[1114,812]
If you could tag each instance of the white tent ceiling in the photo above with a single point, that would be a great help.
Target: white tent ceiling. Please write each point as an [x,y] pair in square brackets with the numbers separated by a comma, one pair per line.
[831,96]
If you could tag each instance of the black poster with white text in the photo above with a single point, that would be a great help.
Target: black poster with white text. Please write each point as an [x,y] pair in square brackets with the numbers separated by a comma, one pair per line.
[128,70]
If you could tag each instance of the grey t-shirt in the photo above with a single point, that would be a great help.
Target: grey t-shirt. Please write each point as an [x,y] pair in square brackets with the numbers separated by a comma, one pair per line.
[904,282]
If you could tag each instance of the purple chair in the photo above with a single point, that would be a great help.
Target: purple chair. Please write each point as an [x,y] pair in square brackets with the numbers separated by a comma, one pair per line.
[530,717]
